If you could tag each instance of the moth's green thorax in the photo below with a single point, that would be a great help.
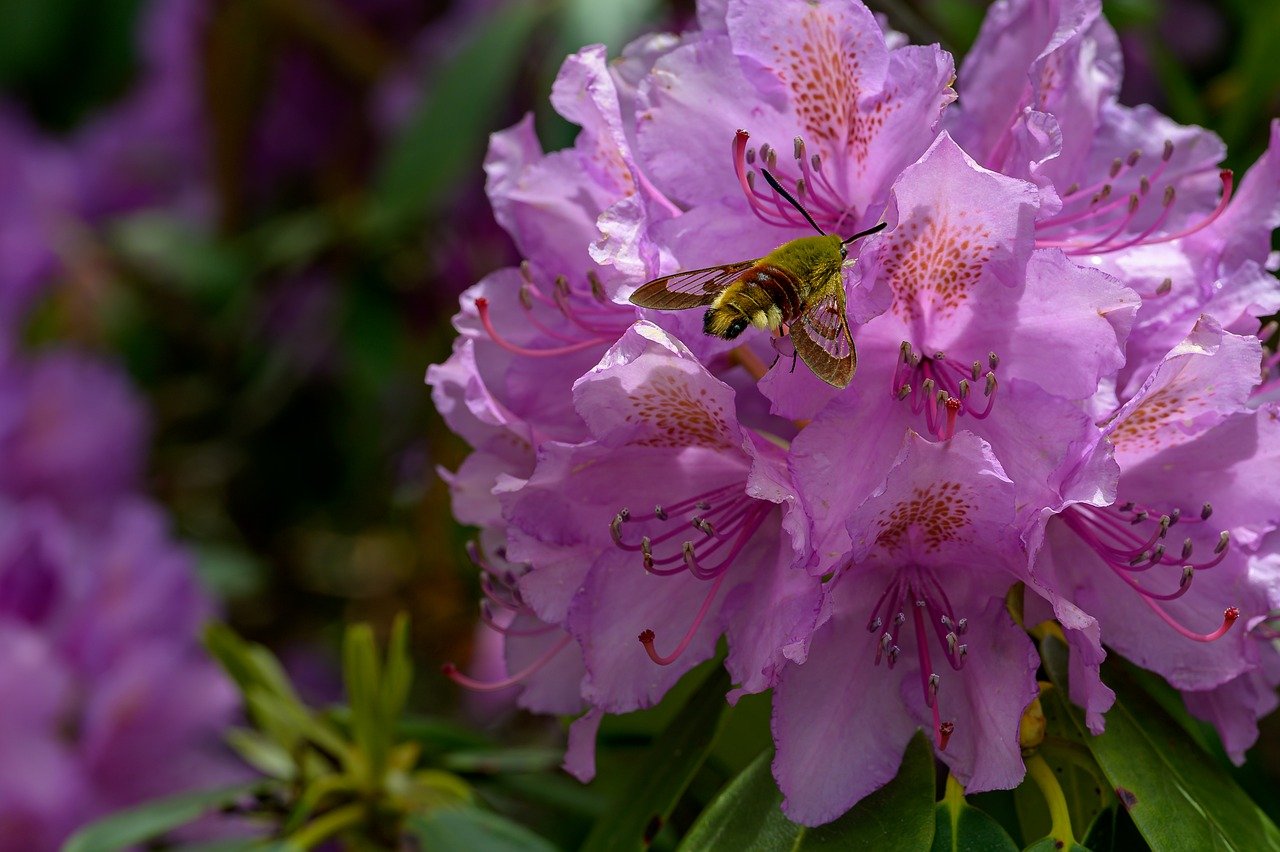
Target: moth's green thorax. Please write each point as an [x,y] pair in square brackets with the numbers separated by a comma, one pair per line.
[814,260]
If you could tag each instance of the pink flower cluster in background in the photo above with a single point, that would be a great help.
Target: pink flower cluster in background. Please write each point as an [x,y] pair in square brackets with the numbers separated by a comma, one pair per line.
[1061,383]
[111,699]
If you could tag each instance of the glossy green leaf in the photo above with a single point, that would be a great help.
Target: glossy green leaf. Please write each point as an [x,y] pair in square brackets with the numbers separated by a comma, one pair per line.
[1177,795]
[472,828]
[151,819]
[960,827]
[747,814]
[445,139]
[635,816]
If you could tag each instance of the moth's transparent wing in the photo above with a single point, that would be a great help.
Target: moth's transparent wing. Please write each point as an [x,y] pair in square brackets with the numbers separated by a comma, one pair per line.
[821,337]
[688,289]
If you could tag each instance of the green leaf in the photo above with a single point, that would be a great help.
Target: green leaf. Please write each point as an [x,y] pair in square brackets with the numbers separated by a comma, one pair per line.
[637,814]
[1178,796]
[960,827]
[747,814]
[151,819]
[612,24]
[180,256]
[1048,844]
[446,137]
[248,664]
[262,753]
[497,761]
[437,736]
[472,828]
[362,673]
[397,675]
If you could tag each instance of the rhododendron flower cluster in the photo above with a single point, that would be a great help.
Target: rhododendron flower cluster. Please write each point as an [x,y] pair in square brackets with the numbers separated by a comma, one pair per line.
[99,613]
[1062,383]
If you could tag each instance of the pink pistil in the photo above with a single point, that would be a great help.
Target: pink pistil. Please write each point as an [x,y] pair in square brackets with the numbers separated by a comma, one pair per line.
[917,588]
[647,636]
[451,671]
[942,390]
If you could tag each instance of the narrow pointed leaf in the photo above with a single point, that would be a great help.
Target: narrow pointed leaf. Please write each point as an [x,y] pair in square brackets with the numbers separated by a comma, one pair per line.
[397,676]
[361,671]
[446,137]
[137,825]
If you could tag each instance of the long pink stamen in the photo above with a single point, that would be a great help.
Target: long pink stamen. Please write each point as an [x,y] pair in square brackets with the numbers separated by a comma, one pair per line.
[647,637]
[753,197]
[451,671]
[1228,185]
[482,308]
[1107,243]
[1127,553]
[812,187]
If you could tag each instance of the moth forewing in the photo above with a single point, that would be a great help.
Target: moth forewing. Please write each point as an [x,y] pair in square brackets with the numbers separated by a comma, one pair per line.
[689,289]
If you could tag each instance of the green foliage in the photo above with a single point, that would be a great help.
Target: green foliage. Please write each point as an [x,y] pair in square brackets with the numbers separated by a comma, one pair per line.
[1179,797]
[354,774]
[747,814]
[472,828]
[446,136]
[127,828]
[636,815]
[960,827]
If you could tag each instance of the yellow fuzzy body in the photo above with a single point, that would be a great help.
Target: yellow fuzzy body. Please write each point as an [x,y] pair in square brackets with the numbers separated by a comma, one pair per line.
[777,288]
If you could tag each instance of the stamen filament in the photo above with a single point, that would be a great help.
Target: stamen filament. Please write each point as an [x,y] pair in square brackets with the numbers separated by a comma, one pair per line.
[451,671]
[482,308]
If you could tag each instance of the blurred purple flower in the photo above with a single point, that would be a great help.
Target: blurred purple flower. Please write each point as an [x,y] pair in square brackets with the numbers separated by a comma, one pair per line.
[72,431]
[119,703]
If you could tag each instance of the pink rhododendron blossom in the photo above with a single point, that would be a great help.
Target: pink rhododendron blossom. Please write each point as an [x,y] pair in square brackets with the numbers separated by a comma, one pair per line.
[919,637]
[1058,385]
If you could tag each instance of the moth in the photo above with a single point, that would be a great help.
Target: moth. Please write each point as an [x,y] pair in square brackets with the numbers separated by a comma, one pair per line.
[796,289]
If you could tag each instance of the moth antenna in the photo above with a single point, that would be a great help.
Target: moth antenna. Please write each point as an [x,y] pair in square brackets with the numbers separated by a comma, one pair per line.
[875,229]
[777,187]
